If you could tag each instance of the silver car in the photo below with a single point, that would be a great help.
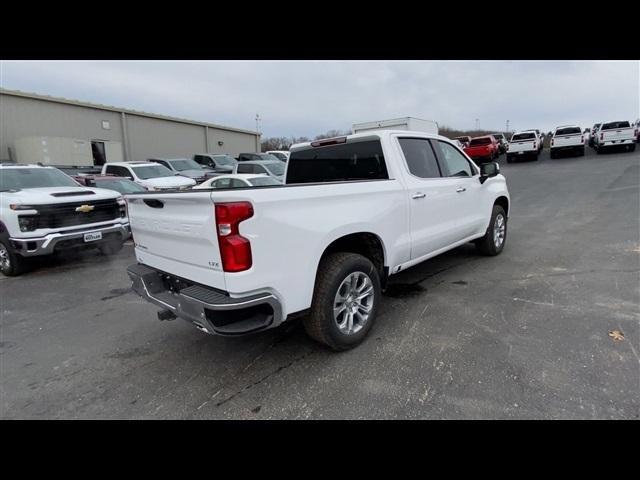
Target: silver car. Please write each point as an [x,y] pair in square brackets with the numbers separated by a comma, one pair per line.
[273,168]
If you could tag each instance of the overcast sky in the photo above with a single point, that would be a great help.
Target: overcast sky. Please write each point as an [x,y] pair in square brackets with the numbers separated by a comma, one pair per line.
[305,98]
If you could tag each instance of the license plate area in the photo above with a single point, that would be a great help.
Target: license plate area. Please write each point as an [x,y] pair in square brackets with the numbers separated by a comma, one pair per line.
[93,236]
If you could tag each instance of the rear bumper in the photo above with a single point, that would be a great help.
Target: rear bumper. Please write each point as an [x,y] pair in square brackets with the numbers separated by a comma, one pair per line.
[616,143]
[566,148]
[32,247]
[210,310]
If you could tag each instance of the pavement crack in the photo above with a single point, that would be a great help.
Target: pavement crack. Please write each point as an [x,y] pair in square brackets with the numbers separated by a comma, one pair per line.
[261,380]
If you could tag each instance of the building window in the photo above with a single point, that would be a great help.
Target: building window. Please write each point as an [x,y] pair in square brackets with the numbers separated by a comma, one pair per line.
[106,125]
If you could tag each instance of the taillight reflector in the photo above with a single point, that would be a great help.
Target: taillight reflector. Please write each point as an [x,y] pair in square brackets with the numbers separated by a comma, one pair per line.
[552,142]
[235,250]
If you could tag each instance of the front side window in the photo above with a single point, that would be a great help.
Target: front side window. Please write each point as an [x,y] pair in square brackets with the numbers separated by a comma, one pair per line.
[276,169]
[222,183]
[420,158]
[454,163]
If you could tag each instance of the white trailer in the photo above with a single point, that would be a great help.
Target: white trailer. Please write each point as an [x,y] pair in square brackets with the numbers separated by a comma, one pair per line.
[405,123]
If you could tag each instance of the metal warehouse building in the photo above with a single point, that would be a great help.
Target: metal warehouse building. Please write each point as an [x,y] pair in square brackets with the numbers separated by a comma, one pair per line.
[112,133]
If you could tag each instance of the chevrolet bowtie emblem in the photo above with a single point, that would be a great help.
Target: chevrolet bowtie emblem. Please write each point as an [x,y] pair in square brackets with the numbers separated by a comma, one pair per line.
[85,208]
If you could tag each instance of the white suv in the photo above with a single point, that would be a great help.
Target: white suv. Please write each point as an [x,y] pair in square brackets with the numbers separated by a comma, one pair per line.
[151,176]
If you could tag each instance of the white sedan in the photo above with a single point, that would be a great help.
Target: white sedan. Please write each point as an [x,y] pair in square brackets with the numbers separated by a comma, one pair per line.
[239,180]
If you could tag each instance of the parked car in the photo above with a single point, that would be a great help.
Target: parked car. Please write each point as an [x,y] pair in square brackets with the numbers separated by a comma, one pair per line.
[281,154]
[464,140]
[150,175]
[110,182]
[523,145]
[186,167]
[594,133]
[615,134]
[244,157]
[483,149]
[43,210]
[502,141]
[567,138]
[219,163]
[274,168]
[388,202]
[636,125]
[242,180]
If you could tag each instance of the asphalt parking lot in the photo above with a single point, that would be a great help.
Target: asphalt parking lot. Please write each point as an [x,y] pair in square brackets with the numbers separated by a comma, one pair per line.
[520,335]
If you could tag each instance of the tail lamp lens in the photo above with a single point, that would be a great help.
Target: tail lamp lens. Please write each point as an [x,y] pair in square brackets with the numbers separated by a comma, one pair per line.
[235,250]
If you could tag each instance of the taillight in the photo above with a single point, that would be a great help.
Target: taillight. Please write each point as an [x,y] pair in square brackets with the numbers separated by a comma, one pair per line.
[582,139]
[602,136]
[506,146]
[535,145]
[552,142]
[235,250]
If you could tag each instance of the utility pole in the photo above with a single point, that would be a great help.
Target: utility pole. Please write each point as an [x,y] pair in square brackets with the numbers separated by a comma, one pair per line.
[258,120]
[507,131]
[477,124]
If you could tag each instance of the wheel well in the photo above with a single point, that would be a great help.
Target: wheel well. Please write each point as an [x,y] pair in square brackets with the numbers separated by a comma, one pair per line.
[504,203]
[366,244]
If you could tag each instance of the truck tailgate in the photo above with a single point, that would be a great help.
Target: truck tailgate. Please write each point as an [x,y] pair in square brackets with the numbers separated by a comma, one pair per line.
[523,146]
[176,233]
[617,134]
[568,140]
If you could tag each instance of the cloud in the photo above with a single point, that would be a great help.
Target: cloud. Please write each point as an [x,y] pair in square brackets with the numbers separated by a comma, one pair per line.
[310,97]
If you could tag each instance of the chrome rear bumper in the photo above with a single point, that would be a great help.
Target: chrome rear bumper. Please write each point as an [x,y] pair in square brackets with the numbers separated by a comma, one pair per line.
[211,311]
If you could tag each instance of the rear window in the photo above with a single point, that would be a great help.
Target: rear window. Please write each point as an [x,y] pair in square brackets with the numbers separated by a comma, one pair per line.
[523,136]
[498,136]
[612,125]
[568,131]
[480,141]
[361,160]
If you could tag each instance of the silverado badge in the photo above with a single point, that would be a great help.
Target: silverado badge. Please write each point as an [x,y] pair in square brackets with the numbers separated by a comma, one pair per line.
[85,208]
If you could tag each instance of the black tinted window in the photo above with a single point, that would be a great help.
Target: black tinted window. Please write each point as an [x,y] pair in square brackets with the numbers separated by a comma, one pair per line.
[245,168]
[568,131]
[420,157]
[612,125]
[352,161]
[523,136]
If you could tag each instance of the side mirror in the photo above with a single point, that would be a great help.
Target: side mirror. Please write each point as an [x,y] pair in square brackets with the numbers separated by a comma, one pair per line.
[487,170]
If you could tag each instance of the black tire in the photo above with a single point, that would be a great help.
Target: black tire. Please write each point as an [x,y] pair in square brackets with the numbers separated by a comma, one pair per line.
[598,151]
[552,154]
[632,147]
[11,264]
[487,244]
[581,152]
[320,324]
[509,159]
[110,248]
[536,156]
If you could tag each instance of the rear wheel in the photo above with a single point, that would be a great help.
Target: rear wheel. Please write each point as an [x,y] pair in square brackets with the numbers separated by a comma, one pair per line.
[494,239]
[632,147]
[345,301]
[552,154]
[11,264]
[509,158]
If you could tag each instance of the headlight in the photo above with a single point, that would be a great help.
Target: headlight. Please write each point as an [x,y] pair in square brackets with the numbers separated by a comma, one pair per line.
[17,206]
[28,223]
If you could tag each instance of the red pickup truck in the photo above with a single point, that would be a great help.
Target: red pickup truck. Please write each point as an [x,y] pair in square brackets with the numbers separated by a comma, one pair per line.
[484,149]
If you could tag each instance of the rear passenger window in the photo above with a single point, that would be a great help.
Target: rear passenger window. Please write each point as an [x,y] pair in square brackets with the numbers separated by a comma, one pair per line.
[420,157]
[453,162]
[357,160]
[244,168]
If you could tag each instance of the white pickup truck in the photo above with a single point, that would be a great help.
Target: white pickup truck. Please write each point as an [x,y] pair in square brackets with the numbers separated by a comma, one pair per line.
[615,134]
[567,138]
[524,144]
[354,210]
[42,210]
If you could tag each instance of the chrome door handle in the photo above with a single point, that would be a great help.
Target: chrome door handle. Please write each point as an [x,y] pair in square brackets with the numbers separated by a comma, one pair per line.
[418,195]
[461,189]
